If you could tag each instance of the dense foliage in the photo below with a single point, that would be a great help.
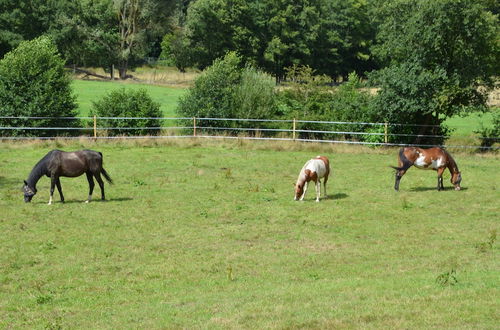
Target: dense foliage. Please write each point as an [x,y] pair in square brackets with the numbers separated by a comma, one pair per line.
[128,103]
[437,55]
[229,89]
[333,37]
[33,83]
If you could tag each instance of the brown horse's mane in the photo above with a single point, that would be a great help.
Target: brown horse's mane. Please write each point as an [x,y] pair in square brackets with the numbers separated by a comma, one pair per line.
[453,167]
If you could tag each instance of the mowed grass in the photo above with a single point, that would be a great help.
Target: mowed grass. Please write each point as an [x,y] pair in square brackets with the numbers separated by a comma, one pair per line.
[200,234]
[88,91]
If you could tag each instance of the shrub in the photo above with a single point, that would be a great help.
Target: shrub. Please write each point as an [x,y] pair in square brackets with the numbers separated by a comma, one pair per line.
[490,135]
[128,103]
[33,83]
[310,97]
[228,89]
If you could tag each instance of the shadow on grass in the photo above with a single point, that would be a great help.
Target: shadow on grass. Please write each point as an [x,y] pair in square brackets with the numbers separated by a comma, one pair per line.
[77,201]
[10,181]
[337,196]
[419,189]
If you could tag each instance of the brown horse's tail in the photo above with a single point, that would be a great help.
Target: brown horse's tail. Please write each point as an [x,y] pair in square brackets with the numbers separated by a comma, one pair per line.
[406,162]
[104,173]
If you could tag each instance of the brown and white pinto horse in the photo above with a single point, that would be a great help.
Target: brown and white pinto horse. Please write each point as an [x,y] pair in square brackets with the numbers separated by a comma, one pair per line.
[435,158]
[314,170]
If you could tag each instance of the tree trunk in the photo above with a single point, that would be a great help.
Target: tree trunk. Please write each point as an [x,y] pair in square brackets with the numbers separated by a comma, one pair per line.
[122,70]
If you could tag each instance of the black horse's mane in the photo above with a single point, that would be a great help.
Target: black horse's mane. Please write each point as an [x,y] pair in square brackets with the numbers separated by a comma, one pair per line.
[39,169]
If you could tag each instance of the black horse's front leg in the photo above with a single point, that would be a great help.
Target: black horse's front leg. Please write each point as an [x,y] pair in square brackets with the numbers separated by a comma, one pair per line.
[53,180]
[58,185]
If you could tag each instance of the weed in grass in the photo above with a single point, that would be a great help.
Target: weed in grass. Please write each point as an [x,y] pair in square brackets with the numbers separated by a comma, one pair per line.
[253,187]
[405,205]
[230,275]
[44,299]
[488,245]
[227,173]
[448,278]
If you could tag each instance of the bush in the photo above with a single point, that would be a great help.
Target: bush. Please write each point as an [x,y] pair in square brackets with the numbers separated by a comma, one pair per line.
[490,135]
[33,83]
[310,97]
[228,89]
[128,103]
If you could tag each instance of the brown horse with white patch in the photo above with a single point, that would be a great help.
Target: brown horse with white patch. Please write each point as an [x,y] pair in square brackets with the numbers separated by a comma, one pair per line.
[436,159]
[314,170]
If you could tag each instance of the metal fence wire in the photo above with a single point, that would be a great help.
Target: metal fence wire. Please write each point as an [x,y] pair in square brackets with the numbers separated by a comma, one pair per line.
[275,129]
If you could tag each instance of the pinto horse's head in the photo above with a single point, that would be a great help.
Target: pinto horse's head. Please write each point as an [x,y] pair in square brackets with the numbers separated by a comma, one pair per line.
[456,178]
[299,190]
[29,192]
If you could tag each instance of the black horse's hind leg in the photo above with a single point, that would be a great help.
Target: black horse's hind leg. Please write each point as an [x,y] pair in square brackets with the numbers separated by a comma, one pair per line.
[101,184]
[90,179]
[58,185]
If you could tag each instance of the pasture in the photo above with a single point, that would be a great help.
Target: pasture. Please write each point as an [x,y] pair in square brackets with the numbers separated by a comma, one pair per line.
[87,91]
[200,234]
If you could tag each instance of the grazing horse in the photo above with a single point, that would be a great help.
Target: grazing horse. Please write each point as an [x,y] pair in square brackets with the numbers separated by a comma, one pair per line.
[59,163]
[435,158]
[315,169]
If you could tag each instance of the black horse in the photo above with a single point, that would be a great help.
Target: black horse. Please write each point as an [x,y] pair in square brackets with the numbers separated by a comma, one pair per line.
[59,163]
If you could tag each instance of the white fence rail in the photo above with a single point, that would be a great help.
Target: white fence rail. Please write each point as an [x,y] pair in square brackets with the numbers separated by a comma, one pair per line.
[198,130]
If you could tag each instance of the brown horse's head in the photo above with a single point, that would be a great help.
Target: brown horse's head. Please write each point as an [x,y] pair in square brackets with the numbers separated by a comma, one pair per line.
[456,178]
[29,192]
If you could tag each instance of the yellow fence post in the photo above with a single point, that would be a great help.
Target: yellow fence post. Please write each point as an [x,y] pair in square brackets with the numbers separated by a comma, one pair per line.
[194,126]
[294,127]
[385,133]
[95,127]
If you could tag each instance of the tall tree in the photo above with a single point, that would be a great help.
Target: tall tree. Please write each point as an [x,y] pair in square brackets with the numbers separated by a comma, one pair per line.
[441,58]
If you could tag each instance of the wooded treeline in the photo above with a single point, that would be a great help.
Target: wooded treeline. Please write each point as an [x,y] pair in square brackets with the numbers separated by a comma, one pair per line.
[334,37]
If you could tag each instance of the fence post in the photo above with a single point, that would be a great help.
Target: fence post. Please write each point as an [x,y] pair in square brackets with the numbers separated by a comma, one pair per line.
[95,127]
[385,133]
[194,126]
[294,127]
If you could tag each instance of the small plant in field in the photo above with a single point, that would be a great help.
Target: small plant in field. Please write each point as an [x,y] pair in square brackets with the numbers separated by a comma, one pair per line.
[405,204]
[448,278]
[230,273]
[488,245]
[227,173]
[44,299]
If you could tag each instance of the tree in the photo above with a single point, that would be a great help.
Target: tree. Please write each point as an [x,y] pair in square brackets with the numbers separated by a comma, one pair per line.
[441,57]
[33,83]
[331,36]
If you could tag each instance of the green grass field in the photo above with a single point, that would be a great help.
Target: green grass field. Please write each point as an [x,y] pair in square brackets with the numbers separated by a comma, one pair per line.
[207,235]
[87,91]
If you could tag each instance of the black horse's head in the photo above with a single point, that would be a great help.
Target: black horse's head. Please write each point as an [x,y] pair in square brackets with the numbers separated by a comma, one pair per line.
[29,192]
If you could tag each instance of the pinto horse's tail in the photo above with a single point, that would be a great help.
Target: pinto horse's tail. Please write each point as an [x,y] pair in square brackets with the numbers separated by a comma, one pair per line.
[406,162]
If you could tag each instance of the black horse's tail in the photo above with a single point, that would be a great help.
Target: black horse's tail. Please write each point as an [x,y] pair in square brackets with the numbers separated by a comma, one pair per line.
[406,162]
[104,173]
